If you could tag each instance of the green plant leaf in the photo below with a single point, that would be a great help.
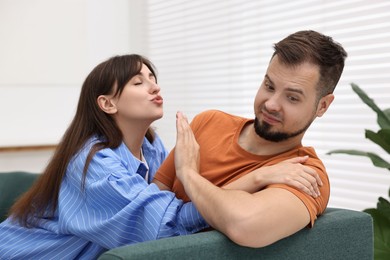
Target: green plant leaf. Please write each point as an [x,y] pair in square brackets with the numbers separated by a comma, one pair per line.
[375,159]
[380,215]
[381,234]
[387,112]
[383,206]
[381,138]
[383,118]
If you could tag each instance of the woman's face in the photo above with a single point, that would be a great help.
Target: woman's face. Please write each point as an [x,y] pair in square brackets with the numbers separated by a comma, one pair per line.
[140,101]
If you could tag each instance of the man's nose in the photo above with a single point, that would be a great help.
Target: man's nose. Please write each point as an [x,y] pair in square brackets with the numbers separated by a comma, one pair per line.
[273,103]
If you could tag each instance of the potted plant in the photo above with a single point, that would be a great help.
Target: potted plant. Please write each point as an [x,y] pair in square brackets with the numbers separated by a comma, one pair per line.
[380,214]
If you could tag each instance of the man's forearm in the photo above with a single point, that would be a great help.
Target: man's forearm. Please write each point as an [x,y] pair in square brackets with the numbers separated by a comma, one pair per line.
[223,209]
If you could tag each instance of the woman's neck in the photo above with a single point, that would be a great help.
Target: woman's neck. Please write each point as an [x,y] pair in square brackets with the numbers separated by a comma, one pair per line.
[133,137]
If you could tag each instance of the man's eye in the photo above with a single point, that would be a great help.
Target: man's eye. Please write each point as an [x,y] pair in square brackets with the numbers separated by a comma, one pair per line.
[293,99]
[268,86]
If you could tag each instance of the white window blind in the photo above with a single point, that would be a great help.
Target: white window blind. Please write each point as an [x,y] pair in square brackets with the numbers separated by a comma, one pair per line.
[213,55]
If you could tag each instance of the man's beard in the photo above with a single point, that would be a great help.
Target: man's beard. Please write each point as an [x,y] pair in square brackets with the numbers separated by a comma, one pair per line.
[264,131]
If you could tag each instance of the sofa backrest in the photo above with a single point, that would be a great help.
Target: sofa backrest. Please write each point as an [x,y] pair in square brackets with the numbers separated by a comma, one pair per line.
[337,234]
[12,185]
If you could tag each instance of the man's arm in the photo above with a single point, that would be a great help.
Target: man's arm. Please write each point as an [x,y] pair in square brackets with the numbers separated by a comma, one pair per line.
[252,220]
[305,179]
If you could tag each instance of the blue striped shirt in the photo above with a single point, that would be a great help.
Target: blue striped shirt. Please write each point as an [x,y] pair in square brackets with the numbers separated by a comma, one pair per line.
[117,207]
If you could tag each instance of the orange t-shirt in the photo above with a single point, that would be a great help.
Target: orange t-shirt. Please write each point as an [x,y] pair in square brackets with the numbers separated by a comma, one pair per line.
[222,160]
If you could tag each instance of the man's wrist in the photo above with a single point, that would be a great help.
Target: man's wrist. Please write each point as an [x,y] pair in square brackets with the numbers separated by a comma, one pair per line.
[185,173]
[259,178]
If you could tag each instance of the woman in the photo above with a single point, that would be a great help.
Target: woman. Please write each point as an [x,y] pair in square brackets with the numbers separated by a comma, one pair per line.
[95,194]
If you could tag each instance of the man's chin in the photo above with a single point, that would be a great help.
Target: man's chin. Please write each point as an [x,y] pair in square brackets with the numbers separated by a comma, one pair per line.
[264,131]
[274,137]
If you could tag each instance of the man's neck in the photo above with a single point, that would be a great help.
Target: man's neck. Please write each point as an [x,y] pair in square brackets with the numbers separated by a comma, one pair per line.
[253,143]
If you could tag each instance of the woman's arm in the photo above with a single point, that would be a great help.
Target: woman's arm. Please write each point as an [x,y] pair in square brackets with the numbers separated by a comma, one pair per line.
[120,204]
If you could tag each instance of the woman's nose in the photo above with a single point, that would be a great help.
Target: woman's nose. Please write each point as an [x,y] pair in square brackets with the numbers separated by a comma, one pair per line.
[154,87]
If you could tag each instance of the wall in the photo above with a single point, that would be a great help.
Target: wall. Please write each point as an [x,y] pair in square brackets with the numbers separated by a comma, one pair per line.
[209,54]
[47,49]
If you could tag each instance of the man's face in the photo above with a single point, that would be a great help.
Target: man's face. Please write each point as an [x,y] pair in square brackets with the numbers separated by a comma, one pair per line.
[286,102]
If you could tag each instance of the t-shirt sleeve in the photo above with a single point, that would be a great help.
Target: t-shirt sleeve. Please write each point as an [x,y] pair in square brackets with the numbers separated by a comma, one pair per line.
[315,206]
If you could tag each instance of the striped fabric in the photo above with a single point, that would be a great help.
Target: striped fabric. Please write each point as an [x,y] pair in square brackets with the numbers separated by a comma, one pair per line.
[117,207]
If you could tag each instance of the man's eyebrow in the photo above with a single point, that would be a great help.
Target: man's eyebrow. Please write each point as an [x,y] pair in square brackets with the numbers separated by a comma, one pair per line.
[290,89]
[299,91]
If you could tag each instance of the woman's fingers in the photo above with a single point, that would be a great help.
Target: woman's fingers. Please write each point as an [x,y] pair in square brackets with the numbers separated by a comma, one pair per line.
[187,154]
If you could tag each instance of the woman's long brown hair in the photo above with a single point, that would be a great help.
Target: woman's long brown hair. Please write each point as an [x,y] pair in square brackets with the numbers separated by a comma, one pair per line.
[41,199]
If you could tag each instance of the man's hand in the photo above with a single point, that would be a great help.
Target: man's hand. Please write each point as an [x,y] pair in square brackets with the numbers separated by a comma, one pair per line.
[187,155]
[294,173]
[291,172]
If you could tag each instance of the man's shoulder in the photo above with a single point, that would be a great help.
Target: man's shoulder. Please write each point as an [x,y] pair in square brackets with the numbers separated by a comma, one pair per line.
[218,114]
[300,150]
[216,122]
[307,150]
[314,159]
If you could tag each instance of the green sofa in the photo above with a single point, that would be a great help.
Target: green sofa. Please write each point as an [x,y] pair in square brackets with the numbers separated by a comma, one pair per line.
[337,234]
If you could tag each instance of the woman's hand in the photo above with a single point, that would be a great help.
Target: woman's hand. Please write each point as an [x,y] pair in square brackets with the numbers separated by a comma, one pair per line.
[187,155]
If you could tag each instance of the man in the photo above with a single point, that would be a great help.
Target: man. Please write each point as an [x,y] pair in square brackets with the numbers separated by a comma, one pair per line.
[297,87]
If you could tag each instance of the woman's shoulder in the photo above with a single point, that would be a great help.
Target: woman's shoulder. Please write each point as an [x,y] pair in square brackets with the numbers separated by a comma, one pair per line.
[100,157]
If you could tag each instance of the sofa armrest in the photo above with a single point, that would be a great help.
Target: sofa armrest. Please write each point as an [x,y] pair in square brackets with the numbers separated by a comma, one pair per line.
[337,234]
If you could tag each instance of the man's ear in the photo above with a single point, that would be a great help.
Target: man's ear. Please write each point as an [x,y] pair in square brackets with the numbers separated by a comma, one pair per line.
[324,104]
[106,104]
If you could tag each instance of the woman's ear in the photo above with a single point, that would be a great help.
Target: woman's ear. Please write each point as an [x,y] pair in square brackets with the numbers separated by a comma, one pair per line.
[324,104]
[106,104]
